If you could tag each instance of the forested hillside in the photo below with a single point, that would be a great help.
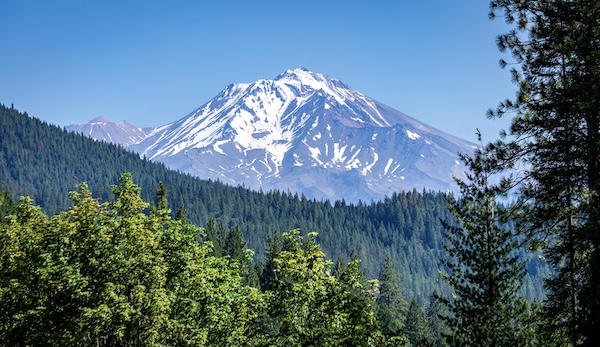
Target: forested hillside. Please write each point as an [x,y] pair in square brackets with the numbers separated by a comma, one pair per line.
[45,162]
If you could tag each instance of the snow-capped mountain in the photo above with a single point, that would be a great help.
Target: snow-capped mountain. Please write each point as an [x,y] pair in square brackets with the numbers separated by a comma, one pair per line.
[102,129]
[308,133]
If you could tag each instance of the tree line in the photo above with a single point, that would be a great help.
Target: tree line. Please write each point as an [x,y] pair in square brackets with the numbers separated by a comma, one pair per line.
[124,273]
[45,162]
[552,148]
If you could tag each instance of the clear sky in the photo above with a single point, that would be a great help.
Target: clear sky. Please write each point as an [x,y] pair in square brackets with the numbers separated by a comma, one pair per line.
[153,62]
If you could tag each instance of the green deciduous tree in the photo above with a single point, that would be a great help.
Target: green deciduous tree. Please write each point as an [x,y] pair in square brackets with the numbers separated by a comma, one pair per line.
[97,269]
[352,296]
[311,307]
[112,275]
[298,295]
[21,303]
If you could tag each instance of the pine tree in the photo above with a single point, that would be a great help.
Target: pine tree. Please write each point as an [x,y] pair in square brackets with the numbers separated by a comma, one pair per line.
[417,328]
[7,205]
[235,250]
[483,272]
[555,133]
[182,214]
[435,313]
[216,235]
[235,245]
[391,305]
[161,198]
[274,246]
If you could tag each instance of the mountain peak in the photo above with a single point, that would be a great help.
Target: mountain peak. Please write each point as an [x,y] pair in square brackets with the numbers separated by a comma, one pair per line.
[306,77]
[307,132]
[99,119]
[296,74]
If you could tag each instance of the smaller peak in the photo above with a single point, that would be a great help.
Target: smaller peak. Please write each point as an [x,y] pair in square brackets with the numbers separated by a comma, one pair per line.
[99,119]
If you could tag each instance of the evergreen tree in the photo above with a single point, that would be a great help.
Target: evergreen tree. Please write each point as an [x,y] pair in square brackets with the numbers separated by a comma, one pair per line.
[45,162]
[416,328]
[483,271]
[435,313]
[555,133]
[235,245]
[235,250]
[182,213]
[391,305]
[274,246]
[161,198]
[216,235]
[339,267]
[7,205]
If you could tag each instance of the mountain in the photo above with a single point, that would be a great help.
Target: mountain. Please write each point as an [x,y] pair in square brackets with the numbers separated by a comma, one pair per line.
[102,129]
[45,162]
[308,133]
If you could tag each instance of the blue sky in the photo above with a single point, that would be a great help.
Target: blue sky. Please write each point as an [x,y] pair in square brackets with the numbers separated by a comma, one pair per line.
[153,62]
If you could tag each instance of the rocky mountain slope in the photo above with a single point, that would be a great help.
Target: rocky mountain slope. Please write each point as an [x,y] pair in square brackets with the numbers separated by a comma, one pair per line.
[102,129]
[308,133]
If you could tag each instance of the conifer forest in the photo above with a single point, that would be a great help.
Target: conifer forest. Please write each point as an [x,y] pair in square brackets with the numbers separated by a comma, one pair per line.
[99,247]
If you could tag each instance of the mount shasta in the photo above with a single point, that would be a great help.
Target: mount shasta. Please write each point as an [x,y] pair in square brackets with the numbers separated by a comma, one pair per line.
[308,133]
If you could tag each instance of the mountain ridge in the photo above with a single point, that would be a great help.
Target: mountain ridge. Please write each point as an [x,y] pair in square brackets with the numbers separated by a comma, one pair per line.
[102,129]
[45,162]
[308,133]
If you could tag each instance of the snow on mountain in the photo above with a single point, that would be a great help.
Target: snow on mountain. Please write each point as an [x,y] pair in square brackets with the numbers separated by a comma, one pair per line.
[102,129]
[308,133]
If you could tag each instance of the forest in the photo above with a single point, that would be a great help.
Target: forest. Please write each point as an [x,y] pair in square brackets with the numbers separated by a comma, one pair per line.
[45,163]
[125,273]
[106,249]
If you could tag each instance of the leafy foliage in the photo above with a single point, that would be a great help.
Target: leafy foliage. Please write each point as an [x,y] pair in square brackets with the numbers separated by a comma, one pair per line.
[310,306]
[110,275]
[123,274]
[46,162]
